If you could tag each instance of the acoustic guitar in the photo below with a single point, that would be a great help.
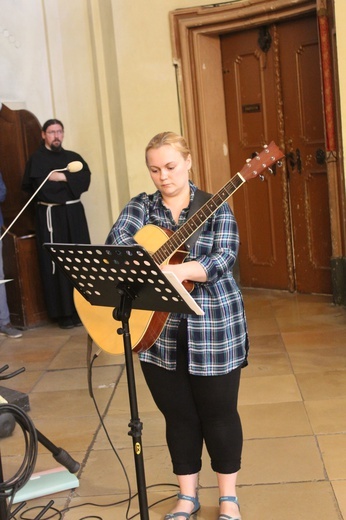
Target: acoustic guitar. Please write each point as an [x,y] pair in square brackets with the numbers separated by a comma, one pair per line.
[165,247]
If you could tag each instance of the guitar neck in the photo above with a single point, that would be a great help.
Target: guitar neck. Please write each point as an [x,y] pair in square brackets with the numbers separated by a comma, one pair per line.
[197,219]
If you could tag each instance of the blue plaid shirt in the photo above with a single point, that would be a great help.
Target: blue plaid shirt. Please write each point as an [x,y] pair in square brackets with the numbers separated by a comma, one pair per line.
[218,341]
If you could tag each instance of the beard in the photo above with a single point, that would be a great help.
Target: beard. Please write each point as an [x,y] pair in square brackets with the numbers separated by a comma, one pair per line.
[56,146]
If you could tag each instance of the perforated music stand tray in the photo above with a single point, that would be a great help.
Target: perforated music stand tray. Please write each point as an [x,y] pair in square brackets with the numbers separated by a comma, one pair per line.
[124,277]
[101,272]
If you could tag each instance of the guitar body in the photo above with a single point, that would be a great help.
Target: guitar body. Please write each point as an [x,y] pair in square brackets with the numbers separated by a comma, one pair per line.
[145,326]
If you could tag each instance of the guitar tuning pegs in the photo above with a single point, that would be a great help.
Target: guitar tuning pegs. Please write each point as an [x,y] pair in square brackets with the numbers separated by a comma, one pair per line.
[279,163]
[265,146]
[261,177]
[270,171]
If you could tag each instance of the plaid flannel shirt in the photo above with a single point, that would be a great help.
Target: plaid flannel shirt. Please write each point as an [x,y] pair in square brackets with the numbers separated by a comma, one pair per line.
[218,341]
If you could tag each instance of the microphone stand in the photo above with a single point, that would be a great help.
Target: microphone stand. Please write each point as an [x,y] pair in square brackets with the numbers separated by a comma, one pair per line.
[3,502]
[59,454]
[71,167]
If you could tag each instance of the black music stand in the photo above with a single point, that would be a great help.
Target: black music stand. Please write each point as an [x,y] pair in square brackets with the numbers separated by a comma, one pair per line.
[124,277]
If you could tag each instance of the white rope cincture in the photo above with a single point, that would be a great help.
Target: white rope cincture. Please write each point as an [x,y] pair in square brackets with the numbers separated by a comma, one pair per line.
[50,221]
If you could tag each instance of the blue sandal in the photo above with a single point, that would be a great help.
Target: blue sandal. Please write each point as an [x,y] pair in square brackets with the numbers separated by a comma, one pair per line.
[196,506]
[228,499]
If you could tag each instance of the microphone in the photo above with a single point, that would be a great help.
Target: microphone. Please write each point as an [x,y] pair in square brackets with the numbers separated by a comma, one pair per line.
[72,167]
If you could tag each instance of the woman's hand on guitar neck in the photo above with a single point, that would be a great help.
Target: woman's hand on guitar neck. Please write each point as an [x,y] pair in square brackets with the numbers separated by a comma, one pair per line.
[192,271]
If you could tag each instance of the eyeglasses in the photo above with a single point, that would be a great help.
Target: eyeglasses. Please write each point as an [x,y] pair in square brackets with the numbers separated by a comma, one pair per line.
[56,132]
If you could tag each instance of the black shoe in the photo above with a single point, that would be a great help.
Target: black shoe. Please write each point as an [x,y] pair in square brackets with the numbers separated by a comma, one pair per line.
[66,323]
[76,320]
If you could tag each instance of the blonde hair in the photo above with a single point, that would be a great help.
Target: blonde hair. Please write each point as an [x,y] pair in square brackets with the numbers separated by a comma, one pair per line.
[169,138]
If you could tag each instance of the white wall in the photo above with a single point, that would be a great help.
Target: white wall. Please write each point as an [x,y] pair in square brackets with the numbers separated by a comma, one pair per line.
[24,77]
[112,91]
[47,67]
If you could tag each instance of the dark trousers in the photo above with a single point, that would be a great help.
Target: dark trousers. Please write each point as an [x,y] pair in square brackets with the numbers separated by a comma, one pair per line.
[197,409]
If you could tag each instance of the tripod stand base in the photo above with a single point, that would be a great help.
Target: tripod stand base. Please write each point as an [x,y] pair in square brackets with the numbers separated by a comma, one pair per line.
[15,397]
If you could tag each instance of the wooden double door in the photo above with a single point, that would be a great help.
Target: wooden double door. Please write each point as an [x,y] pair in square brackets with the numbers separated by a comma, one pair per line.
[272,85]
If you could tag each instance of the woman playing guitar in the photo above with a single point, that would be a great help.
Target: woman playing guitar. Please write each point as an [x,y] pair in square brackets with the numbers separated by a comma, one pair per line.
[193,368]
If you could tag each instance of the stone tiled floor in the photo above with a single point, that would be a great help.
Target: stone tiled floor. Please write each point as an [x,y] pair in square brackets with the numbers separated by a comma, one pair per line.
[292,404]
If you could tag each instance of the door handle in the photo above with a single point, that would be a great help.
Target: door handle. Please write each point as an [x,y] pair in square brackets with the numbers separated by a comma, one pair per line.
[299,161]
[320,156]
[295,160]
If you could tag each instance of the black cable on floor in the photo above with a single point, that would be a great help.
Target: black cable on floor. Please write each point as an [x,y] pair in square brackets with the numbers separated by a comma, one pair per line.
[108,437]
[10,486]
[57,514]
[130,496]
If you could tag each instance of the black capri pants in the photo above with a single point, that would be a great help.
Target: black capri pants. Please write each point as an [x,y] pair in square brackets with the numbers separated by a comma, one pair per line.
[197,409]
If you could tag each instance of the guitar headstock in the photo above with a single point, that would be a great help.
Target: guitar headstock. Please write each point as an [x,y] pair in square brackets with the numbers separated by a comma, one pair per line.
[257,165]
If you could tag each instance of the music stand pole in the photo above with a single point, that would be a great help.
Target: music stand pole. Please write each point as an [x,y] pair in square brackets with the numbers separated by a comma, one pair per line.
[122,313]
[124,277]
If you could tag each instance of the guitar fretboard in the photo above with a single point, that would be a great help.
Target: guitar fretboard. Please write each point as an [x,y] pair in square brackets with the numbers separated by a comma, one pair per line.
[180,236]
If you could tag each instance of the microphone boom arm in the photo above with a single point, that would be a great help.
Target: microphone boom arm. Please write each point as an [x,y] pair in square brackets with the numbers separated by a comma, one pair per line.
[73,167]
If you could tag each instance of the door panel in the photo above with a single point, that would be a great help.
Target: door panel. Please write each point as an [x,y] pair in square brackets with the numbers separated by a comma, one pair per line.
[304,137]
[274,93]
[251,112]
